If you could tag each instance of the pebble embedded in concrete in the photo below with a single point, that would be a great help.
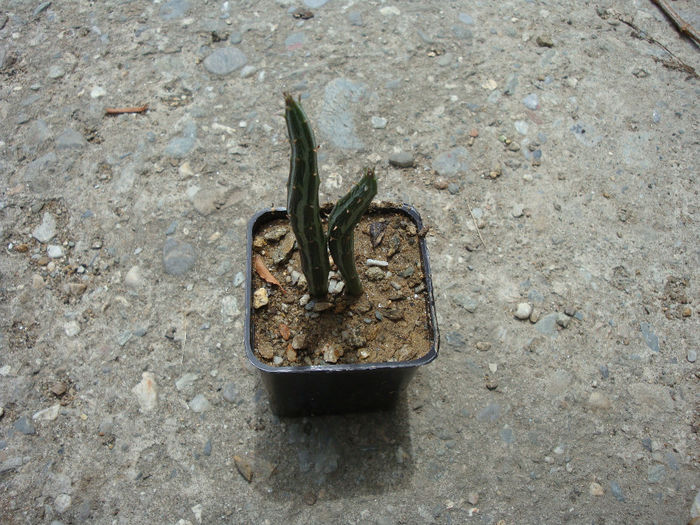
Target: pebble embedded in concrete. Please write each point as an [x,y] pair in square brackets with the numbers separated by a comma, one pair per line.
[523,311]
[146,392]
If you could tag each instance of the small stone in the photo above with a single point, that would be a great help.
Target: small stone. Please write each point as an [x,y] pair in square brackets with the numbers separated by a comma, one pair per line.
[178,257]
[11,464]
[389,10]
[523,311]
[687,311]
[43,6]
[378,122]
[517,211]
[322,306]
[466,302]
[238,279]
[207,448]
[374,273]
[402,159]
[331,353]
[58,388]
[513,146]
[70,139]
[106,427]
[244,468]
[47,414]
[46,230]
[355,18]
[77,289]
[598,400]
[37,282]
[199,403]
[25,426]
[376,262]
[467,20]
[248,71]
[56,72]
[98,92]
[544,41]
[656,473]
[146,392]
[230,393]
[299,342]
[695,507]
[452,162]
[595,489]
[186,381]
[483,346]
[650,338]
[295,41]
[521,127]
[62,503]
[563,320]
[173,9]
[266,352]
[54,251]
[473,498]
[490,413]
[531,101]
[490,84]
[547,325]
[229,308]
[133,277]
[441,183]
[692,356]
[260,298]
[71,328]
[616,491]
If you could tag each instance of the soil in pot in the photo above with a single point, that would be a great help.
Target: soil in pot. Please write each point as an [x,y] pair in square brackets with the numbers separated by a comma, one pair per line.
[388,322]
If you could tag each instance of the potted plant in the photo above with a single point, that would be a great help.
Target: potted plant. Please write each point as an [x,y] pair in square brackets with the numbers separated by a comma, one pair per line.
[324,339]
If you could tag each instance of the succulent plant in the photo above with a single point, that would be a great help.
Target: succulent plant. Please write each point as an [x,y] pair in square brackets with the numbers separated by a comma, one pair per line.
[304,211]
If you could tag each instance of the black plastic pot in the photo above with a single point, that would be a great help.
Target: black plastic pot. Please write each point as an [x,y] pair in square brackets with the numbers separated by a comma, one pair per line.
[334,389]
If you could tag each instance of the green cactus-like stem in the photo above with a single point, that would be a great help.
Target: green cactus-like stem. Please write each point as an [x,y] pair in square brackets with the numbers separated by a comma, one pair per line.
[341,229]
[302,199]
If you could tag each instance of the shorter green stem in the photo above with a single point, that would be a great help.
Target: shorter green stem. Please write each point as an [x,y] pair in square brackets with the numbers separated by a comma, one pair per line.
[341,229]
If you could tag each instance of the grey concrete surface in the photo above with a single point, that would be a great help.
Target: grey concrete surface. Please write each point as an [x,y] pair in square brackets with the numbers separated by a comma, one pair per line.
[551,147]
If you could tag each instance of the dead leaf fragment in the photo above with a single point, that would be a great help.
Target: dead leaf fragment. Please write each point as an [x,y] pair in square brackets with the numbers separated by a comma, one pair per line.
[264,273]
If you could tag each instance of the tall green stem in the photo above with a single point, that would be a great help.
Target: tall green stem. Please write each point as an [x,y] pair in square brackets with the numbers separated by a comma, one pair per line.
[302,199]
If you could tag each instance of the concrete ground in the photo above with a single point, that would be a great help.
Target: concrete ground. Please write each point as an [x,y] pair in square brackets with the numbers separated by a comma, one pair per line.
[554,152]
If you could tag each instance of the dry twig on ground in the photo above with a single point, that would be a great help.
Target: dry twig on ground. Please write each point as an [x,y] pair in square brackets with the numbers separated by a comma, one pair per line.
[684,27]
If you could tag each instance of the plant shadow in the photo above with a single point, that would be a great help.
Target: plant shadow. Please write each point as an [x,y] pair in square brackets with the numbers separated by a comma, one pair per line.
[332,457]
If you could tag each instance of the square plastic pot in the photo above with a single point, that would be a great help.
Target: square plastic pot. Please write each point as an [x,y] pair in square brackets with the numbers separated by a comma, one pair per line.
[336,388]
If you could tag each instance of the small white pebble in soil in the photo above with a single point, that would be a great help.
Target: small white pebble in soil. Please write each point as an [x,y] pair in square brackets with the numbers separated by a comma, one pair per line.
[523,311]
[260,298]
[331,353]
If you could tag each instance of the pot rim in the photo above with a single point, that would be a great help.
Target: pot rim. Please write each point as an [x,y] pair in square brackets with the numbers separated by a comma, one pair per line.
[404,208]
